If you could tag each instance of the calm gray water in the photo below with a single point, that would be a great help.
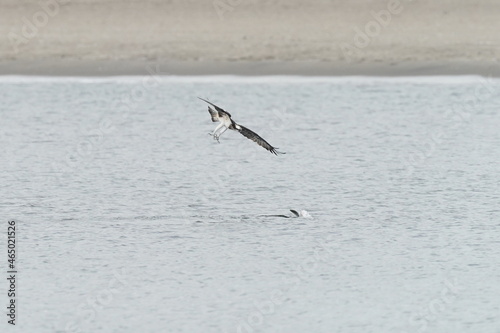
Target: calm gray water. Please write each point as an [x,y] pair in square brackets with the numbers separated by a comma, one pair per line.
[132,219]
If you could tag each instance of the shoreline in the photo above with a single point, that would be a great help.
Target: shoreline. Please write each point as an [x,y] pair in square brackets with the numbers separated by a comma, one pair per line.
[95,68]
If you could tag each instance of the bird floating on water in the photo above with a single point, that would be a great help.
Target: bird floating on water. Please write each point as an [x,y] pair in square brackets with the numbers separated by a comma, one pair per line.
[300,213]
[224,117]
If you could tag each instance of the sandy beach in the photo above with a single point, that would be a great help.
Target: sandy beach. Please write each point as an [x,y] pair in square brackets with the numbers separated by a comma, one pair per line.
[247,37]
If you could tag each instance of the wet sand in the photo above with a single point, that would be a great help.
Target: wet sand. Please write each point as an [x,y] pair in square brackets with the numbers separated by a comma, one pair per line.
[128,67]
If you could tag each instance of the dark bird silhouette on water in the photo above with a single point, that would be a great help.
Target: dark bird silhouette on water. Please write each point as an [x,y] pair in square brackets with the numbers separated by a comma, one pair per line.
[300,213]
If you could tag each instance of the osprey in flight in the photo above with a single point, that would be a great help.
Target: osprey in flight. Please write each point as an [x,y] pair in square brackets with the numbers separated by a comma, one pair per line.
[218,114]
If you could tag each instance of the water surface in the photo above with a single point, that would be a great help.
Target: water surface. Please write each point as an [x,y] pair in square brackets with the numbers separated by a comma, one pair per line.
[132,219]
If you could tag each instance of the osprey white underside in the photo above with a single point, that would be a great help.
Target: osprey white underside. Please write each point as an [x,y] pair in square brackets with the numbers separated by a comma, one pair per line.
[225,123]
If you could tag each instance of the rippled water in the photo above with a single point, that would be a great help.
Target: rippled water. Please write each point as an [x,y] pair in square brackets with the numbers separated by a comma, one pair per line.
[132,219]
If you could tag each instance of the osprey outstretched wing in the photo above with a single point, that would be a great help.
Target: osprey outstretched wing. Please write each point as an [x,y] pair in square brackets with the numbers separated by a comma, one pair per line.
[220,115]
[256,138]
[218,112]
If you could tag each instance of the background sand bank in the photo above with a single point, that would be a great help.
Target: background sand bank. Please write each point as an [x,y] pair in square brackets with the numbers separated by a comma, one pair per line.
[121,35]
